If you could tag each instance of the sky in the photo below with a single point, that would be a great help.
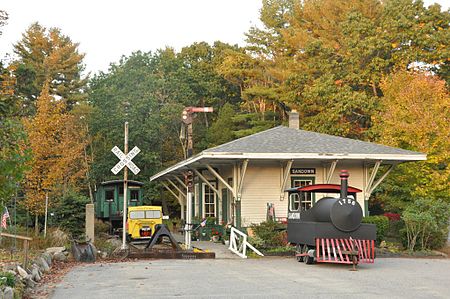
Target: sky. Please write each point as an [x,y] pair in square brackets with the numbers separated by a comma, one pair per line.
[108,29]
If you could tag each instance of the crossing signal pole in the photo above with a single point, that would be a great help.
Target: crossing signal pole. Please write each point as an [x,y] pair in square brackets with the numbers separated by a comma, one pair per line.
[187,117]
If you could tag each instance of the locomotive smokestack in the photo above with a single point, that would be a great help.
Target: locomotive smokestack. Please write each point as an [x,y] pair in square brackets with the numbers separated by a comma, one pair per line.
[344,183]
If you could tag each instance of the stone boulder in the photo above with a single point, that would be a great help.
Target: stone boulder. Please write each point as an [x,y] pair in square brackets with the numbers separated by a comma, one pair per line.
[48,258]
[22,272]
[54,250]
[42,263]
[7,293]
[60,257]
[35,273]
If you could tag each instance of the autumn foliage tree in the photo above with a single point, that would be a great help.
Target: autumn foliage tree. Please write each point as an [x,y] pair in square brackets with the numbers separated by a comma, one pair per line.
[57,143]
[415,115]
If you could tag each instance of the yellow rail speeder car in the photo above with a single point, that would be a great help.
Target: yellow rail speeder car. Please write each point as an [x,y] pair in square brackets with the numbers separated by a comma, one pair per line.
[141,221]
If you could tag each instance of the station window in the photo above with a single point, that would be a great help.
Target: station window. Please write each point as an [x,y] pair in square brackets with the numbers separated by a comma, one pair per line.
[209,197]
[109,194]
[306,198]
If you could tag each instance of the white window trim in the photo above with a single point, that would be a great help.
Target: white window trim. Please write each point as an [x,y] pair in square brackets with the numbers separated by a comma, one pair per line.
[310,201]
[203,200]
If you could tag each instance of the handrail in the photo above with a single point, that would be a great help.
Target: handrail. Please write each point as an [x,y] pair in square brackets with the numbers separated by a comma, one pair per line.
[16,236]
[26,240]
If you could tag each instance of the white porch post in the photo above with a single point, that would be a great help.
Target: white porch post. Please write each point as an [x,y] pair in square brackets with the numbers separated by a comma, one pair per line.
[285,172]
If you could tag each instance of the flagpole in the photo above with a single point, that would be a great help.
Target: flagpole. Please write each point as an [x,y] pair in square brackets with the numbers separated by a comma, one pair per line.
[46,211]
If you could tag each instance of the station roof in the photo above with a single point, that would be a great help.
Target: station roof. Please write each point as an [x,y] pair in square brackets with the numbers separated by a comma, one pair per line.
[282,143]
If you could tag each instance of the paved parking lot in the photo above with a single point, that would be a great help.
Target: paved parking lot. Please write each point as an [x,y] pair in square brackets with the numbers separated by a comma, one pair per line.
[258,278]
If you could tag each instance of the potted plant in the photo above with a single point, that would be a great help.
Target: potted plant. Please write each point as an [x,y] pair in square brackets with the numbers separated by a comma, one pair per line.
[215,235]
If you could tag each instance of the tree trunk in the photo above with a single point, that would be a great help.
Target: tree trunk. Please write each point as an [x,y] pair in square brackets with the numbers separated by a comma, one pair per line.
[36,225]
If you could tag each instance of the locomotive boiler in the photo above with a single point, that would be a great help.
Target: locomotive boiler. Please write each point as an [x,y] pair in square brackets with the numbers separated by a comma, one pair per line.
[331,230]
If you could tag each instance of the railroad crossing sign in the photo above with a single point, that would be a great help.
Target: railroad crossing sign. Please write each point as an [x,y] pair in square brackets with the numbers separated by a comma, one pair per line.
[125,160]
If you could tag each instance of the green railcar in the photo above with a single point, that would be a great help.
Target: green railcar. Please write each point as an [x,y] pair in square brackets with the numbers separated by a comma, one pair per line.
[109,200]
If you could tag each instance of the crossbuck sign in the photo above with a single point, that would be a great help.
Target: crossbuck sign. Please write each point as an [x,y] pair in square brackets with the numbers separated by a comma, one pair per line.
[125,160]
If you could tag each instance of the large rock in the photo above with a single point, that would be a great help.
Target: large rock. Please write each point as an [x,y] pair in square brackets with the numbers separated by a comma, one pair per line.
[22,272]
[54,250]
[35,275]
[40,261]
[29,282]
[60,257]
[8,293]
[48,258]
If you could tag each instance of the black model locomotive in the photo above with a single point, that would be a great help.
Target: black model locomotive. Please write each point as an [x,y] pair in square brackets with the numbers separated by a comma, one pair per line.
[331,231]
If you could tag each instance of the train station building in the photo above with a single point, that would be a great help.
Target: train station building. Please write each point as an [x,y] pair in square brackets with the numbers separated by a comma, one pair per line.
[236,181]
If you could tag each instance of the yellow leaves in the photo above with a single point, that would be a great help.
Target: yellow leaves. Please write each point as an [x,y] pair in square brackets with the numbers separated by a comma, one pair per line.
[415,116]
[57,141]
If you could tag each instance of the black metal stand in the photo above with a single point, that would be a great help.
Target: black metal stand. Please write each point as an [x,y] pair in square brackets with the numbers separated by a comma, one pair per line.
[162,231]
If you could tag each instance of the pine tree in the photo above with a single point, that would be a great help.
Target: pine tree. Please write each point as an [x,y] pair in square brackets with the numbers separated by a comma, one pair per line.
[48,56]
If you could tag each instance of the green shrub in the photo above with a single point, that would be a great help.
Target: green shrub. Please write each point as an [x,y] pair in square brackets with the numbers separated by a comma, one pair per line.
[270,234]
[173,224]
[7,279]
[382,223]
[100,227]
[71,213]
[426,224]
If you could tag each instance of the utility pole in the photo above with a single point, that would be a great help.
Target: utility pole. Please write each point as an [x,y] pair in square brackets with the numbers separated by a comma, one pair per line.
[125,191]
[187,118]
[126,163]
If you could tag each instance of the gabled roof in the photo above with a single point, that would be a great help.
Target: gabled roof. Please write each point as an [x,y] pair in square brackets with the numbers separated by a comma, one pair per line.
[287,140]
[282,143]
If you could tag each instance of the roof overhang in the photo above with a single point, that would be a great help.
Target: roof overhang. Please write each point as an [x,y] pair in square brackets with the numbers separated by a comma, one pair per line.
[225,157]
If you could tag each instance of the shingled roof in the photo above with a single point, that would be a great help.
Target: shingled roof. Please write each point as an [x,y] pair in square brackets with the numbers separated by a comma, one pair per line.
[287,140]
[282,143]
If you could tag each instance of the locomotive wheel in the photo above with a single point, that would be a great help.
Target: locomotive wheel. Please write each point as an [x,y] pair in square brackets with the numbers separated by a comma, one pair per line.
[307,259]
[298,249]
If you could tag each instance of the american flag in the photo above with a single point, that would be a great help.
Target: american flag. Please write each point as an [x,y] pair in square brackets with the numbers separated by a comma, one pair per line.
[5,217]
[203,223]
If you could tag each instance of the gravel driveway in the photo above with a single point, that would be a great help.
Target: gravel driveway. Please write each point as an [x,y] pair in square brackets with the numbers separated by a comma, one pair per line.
[258,278]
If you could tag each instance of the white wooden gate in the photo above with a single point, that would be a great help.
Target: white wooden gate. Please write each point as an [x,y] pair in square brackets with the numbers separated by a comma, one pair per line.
[239,244]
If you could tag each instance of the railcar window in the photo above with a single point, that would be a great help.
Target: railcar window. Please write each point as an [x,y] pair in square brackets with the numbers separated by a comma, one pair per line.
[109,195]
[294,202]
[152,214]
[134,195]
[137,214]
